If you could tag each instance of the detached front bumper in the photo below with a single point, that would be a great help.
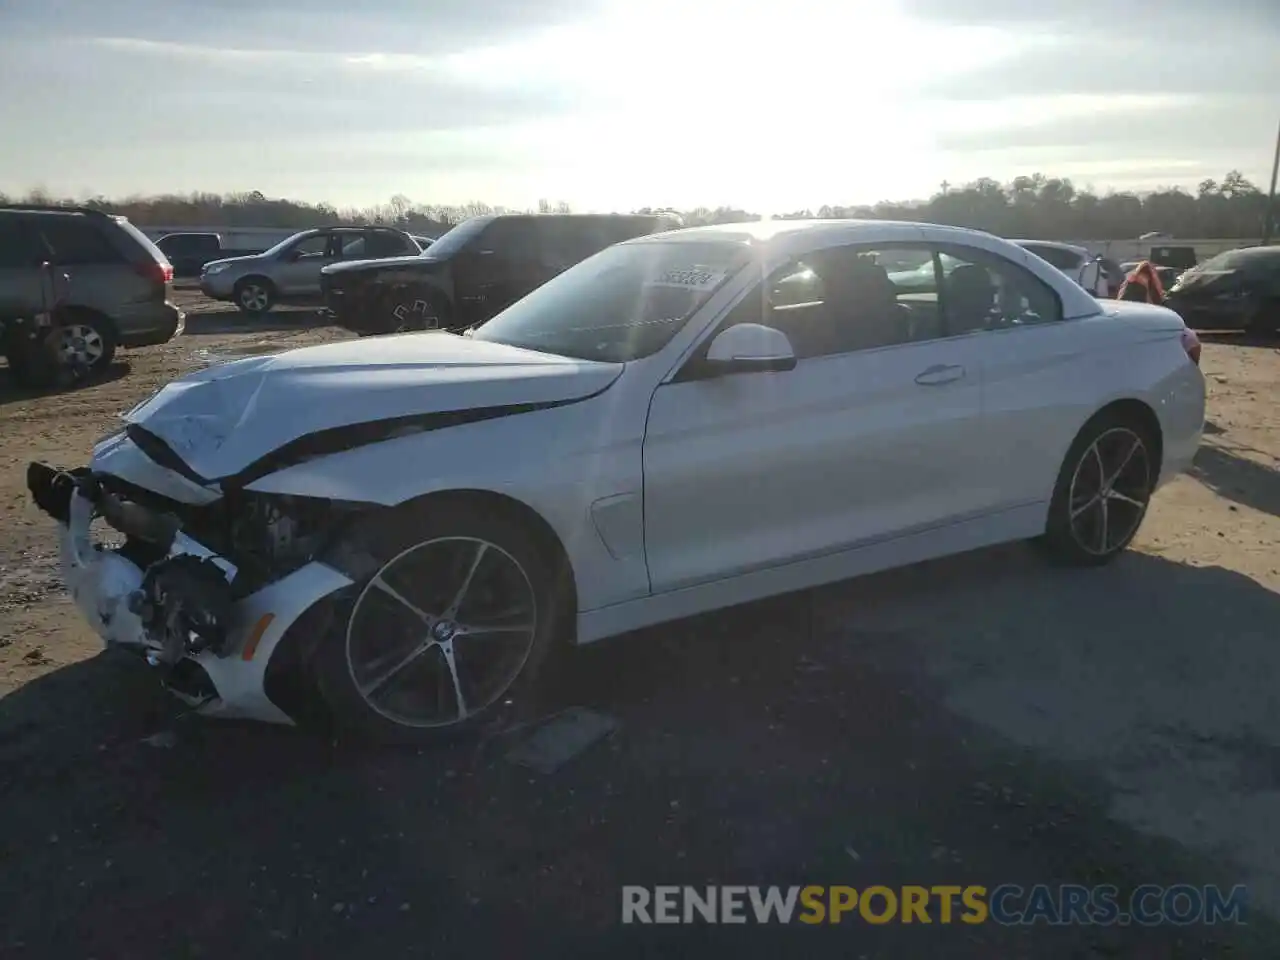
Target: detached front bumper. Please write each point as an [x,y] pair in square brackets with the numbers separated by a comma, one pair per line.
[119,598]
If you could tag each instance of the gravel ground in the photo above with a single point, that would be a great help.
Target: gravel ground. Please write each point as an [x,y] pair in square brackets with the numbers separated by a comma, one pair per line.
[980,720]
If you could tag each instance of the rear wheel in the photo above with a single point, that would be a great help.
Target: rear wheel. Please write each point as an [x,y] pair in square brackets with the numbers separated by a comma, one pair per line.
[448,631]
[1103,491]
[83,344]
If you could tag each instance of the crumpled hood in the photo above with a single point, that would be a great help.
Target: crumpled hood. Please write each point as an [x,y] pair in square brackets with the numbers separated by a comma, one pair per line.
[223,418]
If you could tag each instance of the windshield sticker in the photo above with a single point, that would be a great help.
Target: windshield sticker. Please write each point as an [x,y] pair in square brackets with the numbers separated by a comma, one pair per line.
[694,278]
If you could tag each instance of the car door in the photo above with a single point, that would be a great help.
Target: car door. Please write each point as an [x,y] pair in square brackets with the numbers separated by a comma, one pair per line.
[507,263]
[23,292]
[873,434]
[88,269]
[298,271]
[1036,371]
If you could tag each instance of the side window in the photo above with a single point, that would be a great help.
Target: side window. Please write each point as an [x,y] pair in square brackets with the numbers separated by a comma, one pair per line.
[313,246]
[511,239]
[562,243]
[75,240]
[1062,259]
[18,248]
[349,246]
[985,291]
[846,299]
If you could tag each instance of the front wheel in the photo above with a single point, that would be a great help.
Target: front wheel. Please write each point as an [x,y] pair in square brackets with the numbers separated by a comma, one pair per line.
[254,296]
[1102,493]
[408,314]
[449,630]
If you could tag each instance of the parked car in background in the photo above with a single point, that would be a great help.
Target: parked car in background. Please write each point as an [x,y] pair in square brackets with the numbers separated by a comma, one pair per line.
[422,242]
[1174,256]
[189,252]
[1168,275]
[289,272]
[1238,290]
[412,523]
[475,270]
[1099,275]
[94,280]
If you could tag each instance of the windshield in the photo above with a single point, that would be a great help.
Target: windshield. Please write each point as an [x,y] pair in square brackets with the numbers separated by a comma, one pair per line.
[279,247]
[1233,260]
[624,303]
[454,240]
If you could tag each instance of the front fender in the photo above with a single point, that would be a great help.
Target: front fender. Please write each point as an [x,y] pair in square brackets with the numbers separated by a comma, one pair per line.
[574,466]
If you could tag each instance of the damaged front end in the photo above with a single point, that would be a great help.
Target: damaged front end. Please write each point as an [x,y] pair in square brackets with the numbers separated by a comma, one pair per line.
[207,592]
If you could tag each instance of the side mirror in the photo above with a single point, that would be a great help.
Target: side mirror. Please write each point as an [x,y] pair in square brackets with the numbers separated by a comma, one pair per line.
[750,348]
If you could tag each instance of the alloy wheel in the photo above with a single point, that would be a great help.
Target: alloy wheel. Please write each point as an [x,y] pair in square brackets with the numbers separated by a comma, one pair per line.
[408,318]
[254,297]
[79,345]
[1110,491]
[441,632]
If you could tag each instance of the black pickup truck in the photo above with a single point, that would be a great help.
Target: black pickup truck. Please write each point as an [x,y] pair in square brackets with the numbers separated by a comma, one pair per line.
[474,271]
[189,252]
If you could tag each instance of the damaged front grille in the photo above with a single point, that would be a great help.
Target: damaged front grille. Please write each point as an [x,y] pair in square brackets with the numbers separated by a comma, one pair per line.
[242,543]
[185,603]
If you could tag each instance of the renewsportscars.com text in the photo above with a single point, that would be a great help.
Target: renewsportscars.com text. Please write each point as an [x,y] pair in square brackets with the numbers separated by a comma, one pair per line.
[1007,904]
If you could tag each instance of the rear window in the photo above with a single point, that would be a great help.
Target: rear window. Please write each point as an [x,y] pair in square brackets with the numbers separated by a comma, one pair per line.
[142,240]
[75,239]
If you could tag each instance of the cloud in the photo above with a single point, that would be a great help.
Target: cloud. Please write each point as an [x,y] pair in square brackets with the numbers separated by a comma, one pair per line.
[161,91]
[402,26]
[1102,18]
[1169,125]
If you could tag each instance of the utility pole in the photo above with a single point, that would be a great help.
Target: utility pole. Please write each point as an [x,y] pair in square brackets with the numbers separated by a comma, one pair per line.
[1269,224]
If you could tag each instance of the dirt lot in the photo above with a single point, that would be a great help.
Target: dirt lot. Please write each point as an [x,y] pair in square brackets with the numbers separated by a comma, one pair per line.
[980,720]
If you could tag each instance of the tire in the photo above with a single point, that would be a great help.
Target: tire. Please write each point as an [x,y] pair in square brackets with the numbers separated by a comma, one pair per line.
[83,344]
[1103,491]
[395,668]
[255,296]
[409,313]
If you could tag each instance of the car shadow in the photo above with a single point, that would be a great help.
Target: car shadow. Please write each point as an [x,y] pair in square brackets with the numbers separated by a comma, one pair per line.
[11,392]
[1237,478]
[753,743]
[217,322]
[1239,338]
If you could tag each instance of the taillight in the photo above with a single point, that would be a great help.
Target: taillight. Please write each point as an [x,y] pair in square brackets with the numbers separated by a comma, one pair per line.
[154,271]
[1191,344]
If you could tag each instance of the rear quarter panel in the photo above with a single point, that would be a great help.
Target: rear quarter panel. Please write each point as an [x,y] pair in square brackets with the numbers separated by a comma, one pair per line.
[1042,384]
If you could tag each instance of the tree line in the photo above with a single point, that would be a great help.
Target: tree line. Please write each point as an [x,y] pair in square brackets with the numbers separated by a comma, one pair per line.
[1049,208]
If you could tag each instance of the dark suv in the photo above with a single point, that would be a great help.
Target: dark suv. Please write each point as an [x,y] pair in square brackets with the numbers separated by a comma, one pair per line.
[88,280]
[474,271]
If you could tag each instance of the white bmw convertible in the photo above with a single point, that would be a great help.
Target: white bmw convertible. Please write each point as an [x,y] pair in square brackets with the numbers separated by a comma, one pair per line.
[408,524]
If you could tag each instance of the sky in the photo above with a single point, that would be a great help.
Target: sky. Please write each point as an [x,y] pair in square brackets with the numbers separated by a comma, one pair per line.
[770,105]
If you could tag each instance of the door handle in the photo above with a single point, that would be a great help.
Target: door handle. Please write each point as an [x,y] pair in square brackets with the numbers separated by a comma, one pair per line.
[939,374]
